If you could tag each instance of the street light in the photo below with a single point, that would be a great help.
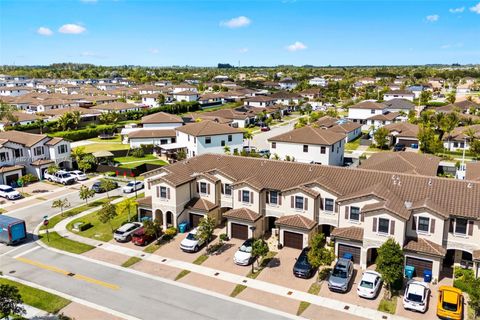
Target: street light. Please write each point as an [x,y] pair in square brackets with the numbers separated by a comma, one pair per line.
[135,184]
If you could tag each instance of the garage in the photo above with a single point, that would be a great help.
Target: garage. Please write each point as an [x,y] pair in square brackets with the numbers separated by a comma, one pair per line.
[293,240]
[195,219]
[11,179]
[239,231]
[408,143]
[419,264]
[354,251]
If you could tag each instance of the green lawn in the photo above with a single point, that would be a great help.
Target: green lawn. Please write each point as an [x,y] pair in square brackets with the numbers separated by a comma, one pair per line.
[315,290]
[102,231]
[182,274]
[353,145]
[237,290]
[94,147]
[58,242]
[130,158]
[117,138]
[72,212]
[38,298]
[201,259]
[388,306]
[131,261]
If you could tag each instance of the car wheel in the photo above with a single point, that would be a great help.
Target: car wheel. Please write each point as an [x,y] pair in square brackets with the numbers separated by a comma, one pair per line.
[128,239]
[195,249]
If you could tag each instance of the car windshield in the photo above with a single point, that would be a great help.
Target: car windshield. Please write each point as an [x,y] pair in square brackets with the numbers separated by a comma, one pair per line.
[449,306]
[414,297]
[191,236]
[245,248]
[8,190]
[119,232]
[130,184]
[339,273]
[366,284]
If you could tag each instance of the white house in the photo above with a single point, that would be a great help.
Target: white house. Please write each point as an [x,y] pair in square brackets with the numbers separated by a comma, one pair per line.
[287,84]
[317,81]
[14,91]
[260,101]
[360,112]
[399,94]
[154,137]
[209,137]
[186,95]
[310,145]
[161,120]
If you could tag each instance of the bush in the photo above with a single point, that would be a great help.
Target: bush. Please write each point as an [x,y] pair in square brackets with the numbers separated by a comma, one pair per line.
[170,233]
[82,134]
[110,174]
[224,237]
[211,249]
[138,153]
[85,226]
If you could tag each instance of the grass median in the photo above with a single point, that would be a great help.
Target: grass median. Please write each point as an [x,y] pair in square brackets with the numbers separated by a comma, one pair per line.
[56,241]
[388,306]
[315,290]
[38,298]
[131,261]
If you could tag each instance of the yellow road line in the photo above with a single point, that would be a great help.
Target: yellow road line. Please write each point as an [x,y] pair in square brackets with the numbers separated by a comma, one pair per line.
[66,273]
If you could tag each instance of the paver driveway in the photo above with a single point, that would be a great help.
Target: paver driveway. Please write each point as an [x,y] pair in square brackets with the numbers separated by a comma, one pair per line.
[172,250]
[223,260]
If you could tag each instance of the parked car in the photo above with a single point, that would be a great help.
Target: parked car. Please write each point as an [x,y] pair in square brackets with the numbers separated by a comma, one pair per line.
[13,230]
[125,232]
[341,275]
[248,149]
[98,188]
[370,284]
[450,303]
[140,238]
[78,175]
[9,193]
[191,243]
[302,268]
[265,128]
[243,256]
[399,147]
[416,296]
[133,186]
[61,176]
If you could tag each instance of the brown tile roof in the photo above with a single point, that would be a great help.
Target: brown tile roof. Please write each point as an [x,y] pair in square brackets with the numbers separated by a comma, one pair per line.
[368,105]
[345,127]
[58,112]
[404,162]
[145,202]
[350,233]
[296,221]
[404,129]
[473,171]
[424,246]
[309,135]
[54,141]
[242,214]
[161,117]
[200,204]
[151,133]
[458,134]
[385,117]
[21,116]
[456,197]
[115,106]
[207,128]
[10,168]
[24,138]
[429,204]
[41,162]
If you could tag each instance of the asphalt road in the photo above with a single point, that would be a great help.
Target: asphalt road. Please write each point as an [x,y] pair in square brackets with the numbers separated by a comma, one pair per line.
[260,140]
[120,290]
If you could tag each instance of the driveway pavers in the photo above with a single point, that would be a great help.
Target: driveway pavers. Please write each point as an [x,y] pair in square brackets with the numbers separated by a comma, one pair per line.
[172,250]
[78,311]
[223,260]
[319,313]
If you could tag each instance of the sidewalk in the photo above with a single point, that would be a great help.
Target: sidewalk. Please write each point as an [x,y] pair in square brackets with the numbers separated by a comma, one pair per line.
[263,286]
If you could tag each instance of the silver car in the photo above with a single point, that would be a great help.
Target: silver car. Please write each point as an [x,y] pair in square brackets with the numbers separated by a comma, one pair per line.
[341,275]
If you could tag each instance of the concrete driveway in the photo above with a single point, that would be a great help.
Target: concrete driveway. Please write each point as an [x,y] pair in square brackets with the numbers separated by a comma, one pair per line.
[280,271]
[223,259]
[351,295]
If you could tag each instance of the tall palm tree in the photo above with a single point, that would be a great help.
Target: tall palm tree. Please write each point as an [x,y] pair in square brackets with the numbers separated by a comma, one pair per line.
[247,135]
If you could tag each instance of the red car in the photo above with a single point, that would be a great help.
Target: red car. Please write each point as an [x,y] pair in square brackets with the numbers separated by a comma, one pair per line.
[265,129]
[139,238]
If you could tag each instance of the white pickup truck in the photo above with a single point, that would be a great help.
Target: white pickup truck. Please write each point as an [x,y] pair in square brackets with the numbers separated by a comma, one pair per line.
[62,177]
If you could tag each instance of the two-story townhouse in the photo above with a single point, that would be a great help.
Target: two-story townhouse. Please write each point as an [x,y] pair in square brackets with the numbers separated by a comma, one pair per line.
[209,137]
[435,220]
[317,81]
[310,145]
[186,95]
[361,111]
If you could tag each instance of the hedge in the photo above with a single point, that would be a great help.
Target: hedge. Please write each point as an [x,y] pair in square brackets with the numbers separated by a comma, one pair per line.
[82,134]
[32,126]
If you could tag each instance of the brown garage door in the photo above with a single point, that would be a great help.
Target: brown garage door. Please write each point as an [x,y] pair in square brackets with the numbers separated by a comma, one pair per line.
[407,143]
[354,251]
[195,219]
[239,231]
[419,264]
[293,240]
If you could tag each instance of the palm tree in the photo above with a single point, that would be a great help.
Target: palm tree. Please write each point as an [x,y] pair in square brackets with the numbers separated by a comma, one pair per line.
[226,149]
[470,133]
[247,135]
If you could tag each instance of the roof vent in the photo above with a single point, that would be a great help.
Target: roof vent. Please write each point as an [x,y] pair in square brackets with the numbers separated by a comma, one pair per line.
[310,169]
[408,204]
[469,185]
[430,182]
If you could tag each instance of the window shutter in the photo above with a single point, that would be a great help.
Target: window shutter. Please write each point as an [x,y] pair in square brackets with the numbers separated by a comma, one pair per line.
[432,226]
[306,203]
[392,227]
[321,203]
[223,188]
[292,202]
[374,227]
[336,207]
[362,217]
[450,229]
[414,224]
[158,191]
[279,198]
[239,195]
[267,197]
[251,197]
[347,212]
[470,227]
[168,193]
[198,187]
[208,188]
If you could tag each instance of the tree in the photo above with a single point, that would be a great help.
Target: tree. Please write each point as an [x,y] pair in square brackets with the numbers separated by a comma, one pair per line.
[381,137]
[86,193]
[78,153]
[161,99]
[429,142]
[425,96]
[181,154]
[107,185]
[52,169]
[109,117]
[474,295]
[205,229]
[127,205]
[107,214]
[226,149]
[319,255]
[10,301]
[475,148]
[247,135]
[152,228]
[389,263]
[451,97]
[302,122]
[26,179]
[259,249]
[6,112]
[87,162]
[61,203]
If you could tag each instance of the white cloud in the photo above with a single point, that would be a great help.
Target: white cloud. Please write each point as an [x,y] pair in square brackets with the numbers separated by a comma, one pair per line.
[44,31]
[297,46]
[433,18]
[71,28]
[243,50]
[476,8]
[237,22]
[457,10]
[154,51]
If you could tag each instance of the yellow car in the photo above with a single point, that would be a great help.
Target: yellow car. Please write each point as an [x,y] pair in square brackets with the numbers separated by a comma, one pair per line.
[450,303]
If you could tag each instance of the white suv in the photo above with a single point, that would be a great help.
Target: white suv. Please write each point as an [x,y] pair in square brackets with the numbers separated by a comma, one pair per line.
[8,192]
[416,296]
[124,233]
[191,243]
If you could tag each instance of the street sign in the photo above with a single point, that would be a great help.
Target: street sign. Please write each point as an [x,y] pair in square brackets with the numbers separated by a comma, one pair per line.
[45,222]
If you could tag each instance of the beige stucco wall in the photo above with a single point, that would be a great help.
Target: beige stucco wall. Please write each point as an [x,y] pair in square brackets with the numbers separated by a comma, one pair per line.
[437,236]
[399,234]
[344,223]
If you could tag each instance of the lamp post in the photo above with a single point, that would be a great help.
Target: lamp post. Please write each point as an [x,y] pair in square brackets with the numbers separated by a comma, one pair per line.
[135,184]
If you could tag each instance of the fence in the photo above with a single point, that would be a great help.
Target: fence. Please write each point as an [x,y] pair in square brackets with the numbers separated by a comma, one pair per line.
[144,167]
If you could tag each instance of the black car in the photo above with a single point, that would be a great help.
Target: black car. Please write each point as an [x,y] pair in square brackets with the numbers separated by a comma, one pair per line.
[98,188]
[302,268]
[399,147]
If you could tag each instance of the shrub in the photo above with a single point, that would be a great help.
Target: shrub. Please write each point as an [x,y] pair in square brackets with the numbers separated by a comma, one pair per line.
[170,233]
[224,237]
[82,134]
[138,153]
[211,249]
[85,226]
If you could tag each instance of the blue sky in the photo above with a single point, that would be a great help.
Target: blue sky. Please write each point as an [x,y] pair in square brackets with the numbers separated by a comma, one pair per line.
[203,33]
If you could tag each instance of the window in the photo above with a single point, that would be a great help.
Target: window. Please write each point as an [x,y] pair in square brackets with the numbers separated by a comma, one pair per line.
[245,196]
[227,189]
[229,138]
[372,111]
[62,148]
[208,140]
[329,203]
[305,148]
[383,225]
[18,153]
[38,151]
[274,145]
[298,202]
[322,150]
[461,226]
[354,214]
[203,187]
[223,143]
[273,197]
[194,139]
[163,141]
[333,148]
[163,192]
[423,224]
[4,156]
